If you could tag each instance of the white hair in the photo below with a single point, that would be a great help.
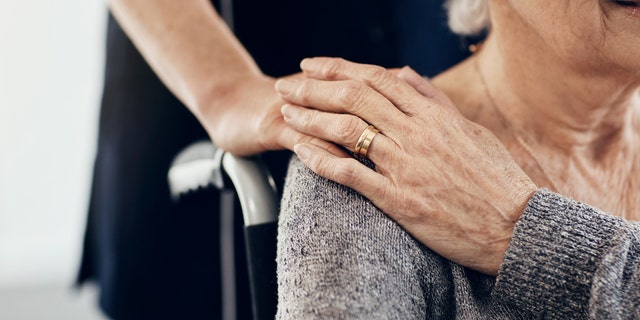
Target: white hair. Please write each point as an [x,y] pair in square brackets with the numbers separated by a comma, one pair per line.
[468,17]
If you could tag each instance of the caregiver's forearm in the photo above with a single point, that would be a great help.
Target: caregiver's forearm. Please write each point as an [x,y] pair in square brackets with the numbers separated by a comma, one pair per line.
[189,46]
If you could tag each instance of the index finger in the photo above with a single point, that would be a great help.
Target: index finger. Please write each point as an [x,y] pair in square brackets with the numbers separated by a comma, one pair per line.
[400,93]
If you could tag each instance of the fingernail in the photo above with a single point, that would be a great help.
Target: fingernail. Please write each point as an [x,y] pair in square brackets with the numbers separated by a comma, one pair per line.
[289,112]
[303,151]
[285,86]
[407,73]
[309,64]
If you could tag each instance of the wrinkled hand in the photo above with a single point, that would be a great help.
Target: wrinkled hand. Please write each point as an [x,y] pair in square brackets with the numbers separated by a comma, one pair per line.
[449,182]
[247,119]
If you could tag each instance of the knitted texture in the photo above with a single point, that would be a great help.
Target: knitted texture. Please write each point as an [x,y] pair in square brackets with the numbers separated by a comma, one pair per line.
[568,260]
[339,257]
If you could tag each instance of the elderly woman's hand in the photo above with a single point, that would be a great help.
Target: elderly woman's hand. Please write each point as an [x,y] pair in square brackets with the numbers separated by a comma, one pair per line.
[449,182]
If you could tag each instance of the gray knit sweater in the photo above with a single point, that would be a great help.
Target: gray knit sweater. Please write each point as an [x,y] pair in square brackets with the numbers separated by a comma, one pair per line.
[339,257]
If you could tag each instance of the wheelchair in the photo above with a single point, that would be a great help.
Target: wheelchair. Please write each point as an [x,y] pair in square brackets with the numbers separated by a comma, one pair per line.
[202,165]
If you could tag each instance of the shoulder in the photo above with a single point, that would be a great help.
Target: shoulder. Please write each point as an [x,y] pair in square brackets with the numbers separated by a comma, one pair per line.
[340,256]
[336,211]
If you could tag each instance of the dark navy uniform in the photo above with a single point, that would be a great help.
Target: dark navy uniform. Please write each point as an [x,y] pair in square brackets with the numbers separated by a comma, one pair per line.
[156,259]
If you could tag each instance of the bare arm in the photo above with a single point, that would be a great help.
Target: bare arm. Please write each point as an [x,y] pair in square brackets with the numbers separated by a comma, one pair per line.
[186,42]
[201,61]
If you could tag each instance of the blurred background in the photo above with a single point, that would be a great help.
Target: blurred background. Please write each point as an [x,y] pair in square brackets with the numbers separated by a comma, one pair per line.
[51,60]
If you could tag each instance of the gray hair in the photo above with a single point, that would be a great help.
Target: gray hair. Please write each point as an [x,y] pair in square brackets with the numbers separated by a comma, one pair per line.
[468,17]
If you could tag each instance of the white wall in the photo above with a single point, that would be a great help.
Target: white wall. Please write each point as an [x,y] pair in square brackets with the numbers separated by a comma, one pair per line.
[51,58]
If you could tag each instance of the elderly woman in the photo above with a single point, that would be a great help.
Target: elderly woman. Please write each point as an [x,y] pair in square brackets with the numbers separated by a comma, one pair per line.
[557,83]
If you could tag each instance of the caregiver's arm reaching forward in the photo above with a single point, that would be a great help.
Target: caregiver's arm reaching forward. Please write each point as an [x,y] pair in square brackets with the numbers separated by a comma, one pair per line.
[201,61]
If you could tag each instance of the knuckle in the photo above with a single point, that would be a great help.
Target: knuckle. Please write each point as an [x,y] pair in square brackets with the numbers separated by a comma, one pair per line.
[348,130]
[351,93]
[303,90]
[345,173]
[307,118]
[377,75]
[322,168]
[332,68]
[386,197]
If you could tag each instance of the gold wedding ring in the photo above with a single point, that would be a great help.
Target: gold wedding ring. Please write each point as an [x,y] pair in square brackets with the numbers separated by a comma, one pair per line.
[362,146]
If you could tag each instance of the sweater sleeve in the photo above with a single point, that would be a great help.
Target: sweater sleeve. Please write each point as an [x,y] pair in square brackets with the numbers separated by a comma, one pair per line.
[568,260]
[339,257]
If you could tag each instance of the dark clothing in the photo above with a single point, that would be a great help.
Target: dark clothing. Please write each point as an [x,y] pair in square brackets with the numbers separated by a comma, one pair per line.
[155,259]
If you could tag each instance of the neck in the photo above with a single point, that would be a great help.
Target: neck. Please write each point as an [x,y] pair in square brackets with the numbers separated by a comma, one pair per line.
[558,105]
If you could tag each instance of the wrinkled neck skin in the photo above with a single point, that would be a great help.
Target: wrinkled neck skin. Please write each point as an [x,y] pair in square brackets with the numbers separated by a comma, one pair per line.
[575,111]
[580,117]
